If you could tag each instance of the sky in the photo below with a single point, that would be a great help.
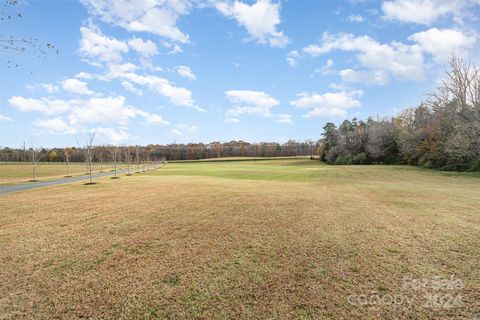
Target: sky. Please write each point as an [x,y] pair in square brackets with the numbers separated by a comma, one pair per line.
[165,71]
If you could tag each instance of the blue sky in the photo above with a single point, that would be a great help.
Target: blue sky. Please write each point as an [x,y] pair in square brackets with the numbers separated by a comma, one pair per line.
[140,72]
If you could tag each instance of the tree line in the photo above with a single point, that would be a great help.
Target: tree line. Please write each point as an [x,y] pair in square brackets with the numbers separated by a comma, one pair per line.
[156,152]
[441,133]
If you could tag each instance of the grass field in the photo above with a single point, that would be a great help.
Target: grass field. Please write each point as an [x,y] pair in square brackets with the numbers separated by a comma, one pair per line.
[21,173]
[231,240]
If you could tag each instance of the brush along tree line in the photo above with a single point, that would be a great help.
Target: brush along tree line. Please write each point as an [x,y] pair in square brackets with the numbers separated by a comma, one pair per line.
[442,133]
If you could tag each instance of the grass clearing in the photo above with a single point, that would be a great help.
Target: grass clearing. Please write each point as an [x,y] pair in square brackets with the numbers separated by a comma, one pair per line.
[266,239]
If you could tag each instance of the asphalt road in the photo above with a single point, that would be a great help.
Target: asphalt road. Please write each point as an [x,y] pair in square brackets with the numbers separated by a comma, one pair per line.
[39,184]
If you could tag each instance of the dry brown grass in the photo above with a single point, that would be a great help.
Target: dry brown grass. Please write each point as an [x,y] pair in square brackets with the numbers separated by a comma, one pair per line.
[22,173]
[160,245]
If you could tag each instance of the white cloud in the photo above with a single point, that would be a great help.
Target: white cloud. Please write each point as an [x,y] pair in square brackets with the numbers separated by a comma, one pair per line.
[146,48]
[174,48]
[366,77]
[155,119]
[284,118]
[355,18]
[151,118]
[337,86]
[292,58]
[55,126]
[333,104]
[101,110]
[424,11]
[44,105]
[384,61]
[395,59]
[47,87]
[440,43]
[76,86]
[115,136]
[5,118]
[177,95]
[184,129]
[260,19]
[185,72]
[232,120]
[326,68]
[156,17]
[119,69]
[249,103]
[84,113]
[84,75]
[50,88]
[98,48]
[131,88]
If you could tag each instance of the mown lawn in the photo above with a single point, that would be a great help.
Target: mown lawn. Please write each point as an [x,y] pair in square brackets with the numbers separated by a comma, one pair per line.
[230,240]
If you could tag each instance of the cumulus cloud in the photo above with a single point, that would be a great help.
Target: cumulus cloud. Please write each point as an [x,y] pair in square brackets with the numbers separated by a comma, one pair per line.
[151,118]
[383,61]
[104,51]
[334,104]
[185,72]
[76,86]
[146,48]
[326,68]
[355,18]
[131,88]
[440,43]
[115,136]
[249,103]
[55,126]
[5,118]
[101,110]
[292,58]
[84,75]
[83,114]
[396,60]
[184,130]
[177,95]
[46,87]
[424,11]
[260,19]
[173,47]
[155,119]
[44,105]
[367,77]
[97,48]
[284,118]
[50,88]
[156,17]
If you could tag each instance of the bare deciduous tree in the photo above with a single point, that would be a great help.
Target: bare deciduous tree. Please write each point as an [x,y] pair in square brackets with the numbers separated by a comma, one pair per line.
[137,158]
[128,159]
[66,153]
[34,159]
[88,154]
[115,153]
